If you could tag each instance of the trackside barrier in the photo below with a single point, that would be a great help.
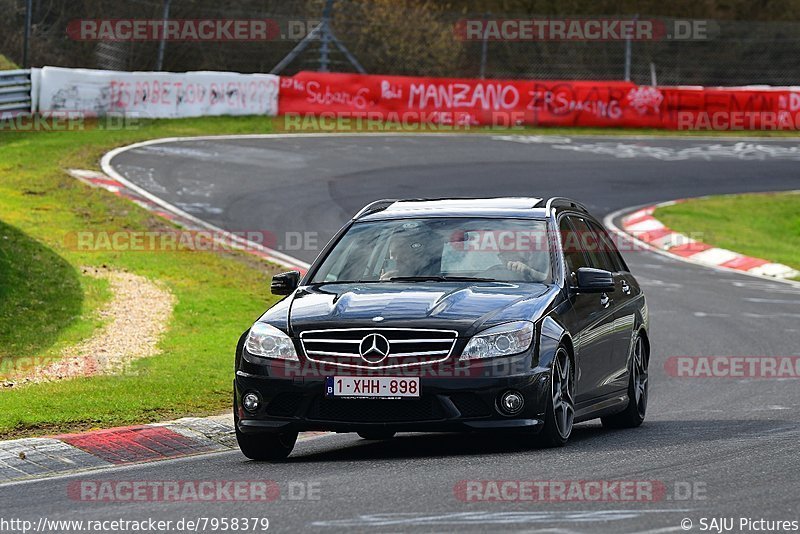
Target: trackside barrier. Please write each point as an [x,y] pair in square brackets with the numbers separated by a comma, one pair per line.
[539,102]
[156,94]
[401,99]
[15,91]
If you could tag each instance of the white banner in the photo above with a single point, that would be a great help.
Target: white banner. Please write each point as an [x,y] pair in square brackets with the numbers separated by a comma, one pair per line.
[157,94]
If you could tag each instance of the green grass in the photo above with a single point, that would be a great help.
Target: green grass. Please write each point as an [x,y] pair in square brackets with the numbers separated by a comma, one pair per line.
[7,64]
[46,303]
[762,225]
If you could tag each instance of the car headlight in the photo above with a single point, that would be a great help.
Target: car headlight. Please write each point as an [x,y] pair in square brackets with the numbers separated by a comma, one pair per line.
[268,342]
[502,340]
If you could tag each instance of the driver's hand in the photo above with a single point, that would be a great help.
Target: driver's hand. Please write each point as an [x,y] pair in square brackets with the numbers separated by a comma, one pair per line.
[517,266]
[389,274]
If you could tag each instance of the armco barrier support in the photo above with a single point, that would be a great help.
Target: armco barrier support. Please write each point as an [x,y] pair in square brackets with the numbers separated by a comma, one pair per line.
[15,91]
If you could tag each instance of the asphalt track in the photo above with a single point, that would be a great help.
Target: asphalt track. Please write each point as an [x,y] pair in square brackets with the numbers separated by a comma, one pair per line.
[736,441]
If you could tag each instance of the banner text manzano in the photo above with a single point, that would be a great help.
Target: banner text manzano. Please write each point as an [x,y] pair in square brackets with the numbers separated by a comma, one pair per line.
[540,102]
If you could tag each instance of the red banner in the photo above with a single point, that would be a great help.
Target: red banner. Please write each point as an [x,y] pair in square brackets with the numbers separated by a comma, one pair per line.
[506,103]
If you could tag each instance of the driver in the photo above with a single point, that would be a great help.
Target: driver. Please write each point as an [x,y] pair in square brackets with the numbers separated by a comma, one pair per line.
[407,252]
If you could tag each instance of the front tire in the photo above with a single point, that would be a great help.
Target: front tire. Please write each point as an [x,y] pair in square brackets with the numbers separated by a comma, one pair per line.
[636,410]
[266,447]
[560,412]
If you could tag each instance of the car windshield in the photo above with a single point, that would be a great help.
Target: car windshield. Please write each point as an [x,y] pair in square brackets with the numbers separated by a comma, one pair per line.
[440,249]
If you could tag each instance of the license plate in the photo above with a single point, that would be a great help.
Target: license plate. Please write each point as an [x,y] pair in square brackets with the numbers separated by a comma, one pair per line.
[385,387]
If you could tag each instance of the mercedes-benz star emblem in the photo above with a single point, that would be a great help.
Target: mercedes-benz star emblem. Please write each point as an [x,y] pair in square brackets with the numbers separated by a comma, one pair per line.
[374,348]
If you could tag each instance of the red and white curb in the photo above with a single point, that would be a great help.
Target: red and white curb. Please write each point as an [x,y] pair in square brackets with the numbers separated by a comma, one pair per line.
[642,225]
[31,458]
[121,187]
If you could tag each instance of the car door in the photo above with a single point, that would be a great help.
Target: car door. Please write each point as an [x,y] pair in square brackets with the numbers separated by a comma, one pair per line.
[624,306]
[593,333]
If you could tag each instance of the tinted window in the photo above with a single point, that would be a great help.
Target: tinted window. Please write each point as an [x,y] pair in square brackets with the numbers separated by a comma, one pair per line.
[570,242]
[510,250]
[609,248]
[587,240]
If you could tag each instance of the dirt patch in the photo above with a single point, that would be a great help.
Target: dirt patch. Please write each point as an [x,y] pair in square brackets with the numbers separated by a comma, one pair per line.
[134,320]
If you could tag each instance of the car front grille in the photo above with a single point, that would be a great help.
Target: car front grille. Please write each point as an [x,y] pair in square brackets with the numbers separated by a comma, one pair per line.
[406,346]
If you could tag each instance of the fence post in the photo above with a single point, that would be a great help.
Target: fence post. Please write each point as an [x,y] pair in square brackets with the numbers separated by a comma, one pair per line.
[628,53]
[324,60]
[163,42]
[484,46]
[26,36]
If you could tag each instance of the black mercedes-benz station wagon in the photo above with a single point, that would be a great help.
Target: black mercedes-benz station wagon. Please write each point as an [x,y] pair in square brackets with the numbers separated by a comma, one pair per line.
[488,314]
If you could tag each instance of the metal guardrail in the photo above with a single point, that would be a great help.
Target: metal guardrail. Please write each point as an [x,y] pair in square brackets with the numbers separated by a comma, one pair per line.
[15,91]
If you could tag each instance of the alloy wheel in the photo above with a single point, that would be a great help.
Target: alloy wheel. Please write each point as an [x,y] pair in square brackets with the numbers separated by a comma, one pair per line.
[562,392]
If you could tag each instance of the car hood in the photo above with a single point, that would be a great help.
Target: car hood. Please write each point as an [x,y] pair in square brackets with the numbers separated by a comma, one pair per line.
[462,306]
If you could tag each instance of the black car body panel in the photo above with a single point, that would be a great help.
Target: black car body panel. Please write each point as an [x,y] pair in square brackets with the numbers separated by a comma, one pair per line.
[461,306]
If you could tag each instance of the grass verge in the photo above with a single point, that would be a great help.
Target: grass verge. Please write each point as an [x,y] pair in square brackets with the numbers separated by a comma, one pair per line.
[763,225]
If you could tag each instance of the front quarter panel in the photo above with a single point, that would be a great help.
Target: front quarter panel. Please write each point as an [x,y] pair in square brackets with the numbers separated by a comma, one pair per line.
[278,314]
[551,334]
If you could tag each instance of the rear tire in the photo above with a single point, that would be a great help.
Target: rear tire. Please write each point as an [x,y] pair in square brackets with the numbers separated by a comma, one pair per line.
[635,412]
[376,435]
[266,447]
[560,413]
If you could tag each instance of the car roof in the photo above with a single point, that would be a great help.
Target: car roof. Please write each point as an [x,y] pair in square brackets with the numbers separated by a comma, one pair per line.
[513,207]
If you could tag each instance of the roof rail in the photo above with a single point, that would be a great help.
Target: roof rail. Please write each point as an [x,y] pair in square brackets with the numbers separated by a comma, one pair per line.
[566,201]
[374,207]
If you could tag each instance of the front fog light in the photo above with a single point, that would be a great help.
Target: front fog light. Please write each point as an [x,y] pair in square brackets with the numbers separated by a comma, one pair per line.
[511,402]
[251,402]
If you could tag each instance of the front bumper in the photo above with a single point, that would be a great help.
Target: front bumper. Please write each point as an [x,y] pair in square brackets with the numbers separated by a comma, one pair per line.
[445,405]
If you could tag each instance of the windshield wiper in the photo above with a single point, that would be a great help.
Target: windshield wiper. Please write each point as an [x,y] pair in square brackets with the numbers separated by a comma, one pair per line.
[468,279]
[328,282]
[430,278]
[437,278]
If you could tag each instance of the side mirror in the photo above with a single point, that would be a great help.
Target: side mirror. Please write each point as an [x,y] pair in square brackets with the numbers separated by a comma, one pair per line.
[594,281]
[285,283]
